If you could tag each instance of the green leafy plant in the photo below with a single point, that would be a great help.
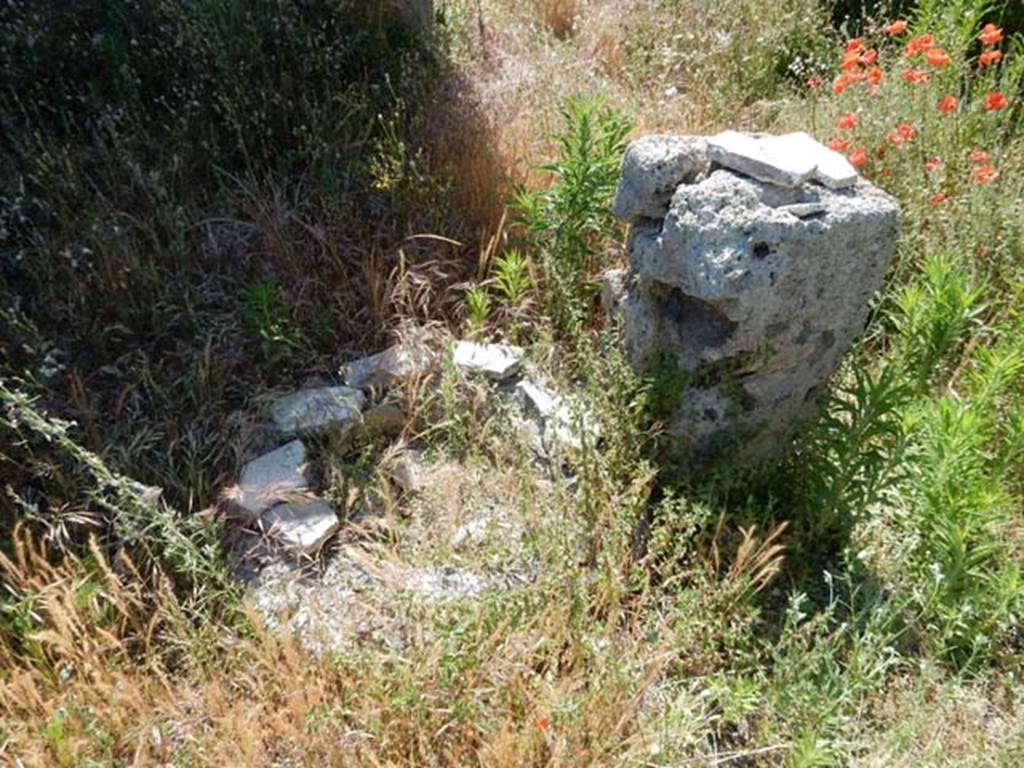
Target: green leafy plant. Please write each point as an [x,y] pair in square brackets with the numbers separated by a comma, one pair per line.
[478,307]
[569,220]
[511,277]
[263,312]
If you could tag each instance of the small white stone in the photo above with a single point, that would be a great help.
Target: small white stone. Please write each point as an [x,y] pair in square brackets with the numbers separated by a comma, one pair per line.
[562,426]
[314,410]
[495,361]
[545,402]
[273,477]
[472,532]
[775,159]
[385,368]
[407,472]
[800,210]
[303,525]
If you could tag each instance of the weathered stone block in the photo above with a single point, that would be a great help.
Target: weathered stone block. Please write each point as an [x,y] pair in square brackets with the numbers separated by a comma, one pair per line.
[495,361]
[318,410]
[280,475]
[409,359]
[754,291]
[303,525]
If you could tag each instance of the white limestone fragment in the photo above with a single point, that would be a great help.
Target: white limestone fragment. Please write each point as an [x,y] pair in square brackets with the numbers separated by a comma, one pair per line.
[495,361]
[563,426]
[274,477]
[802,210]
[765,158]
[302,525]
[831,168]
[316,410]
[385,368]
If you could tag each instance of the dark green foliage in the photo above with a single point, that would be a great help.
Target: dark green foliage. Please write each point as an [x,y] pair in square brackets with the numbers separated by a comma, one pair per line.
[241,84]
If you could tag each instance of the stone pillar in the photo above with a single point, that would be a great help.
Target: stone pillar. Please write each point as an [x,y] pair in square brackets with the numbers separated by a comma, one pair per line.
[753,261]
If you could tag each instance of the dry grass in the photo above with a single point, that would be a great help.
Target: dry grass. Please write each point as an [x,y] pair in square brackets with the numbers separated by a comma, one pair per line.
[558,16]
[100,680]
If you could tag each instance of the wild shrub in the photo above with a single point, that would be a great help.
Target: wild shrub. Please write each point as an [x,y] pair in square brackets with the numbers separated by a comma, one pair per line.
[570,219]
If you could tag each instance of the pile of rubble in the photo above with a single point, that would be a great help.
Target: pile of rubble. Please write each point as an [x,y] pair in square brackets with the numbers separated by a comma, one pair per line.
[276,493]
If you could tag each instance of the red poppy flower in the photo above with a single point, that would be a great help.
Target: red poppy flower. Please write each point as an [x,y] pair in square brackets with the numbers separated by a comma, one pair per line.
[869,57]
[995,100]
[894,138]
[848,120]
[906,131]
[983,174]
[933,163]
[542,723]
[850,61]
[990,57]
[874,76]
[937,57]
[938,197]
[858,157]
[915,75]
[991,35]
[842,82]
[897,27]
[978,156]
[813,81]
[919,44]
[947,103]
[838,144]
[854,44]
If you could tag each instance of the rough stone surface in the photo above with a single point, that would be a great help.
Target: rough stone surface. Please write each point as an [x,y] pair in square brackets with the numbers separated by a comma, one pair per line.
[280,475]
[390,366]
[561,424]
[318,410]
[407,473]
[304,525]
[775,159]
[613,289]
[755,291]
[495,361]
[652,168]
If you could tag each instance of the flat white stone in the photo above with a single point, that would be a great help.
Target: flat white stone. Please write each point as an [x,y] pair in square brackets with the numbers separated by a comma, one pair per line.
[542,400]
[495,361]
[385,368]
[302,525]
[831,168]
[272,478]
[561,424]
[800,210]
[781,160]
[314,410]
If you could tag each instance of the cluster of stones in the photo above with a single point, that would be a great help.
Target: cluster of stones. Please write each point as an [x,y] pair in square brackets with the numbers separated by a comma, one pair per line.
[752,263]
[275,491]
